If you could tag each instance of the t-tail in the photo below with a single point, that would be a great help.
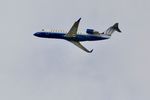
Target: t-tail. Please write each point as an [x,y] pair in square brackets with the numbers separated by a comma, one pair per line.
[112,29]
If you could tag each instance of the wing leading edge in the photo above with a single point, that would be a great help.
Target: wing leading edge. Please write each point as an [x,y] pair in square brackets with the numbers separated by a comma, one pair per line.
[73,32]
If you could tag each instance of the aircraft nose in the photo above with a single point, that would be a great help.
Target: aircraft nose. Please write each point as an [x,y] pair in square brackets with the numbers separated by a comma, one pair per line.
[35,34]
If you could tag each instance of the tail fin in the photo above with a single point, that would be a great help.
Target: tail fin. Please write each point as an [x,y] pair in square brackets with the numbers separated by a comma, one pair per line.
[112,29]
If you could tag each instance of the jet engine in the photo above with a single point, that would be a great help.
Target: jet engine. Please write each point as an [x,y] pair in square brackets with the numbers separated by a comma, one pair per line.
[91,31]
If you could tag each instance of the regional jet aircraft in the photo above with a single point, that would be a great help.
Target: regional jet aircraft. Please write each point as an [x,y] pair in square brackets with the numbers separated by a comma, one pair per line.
[75,38]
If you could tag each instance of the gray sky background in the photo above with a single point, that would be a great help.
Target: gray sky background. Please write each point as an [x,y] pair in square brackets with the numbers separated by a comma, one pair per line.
[43,69]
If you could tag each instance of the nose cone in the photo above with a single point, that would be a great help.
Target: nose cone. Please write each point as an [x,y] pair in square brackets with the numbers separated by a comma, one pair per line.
[35,34]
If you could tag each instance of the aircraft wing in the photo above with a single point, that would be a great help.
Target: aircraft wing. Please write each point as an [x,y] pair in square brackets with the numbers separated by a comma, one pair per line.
[78,44]
[73,31]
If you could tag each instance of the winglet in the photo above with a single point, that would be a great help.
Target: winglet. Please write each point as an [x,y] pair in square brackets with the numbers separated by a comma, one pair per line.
[90,51]
[79,20]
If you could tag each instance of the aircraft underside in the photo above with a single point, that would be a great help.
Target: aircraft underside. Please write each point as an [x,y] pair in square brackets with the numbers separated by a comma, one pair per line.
[78,37]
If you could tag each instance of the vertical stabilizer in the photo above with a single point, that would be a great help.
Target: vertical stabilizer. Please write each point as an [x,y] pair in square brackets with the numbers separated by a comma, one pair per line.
[112,29]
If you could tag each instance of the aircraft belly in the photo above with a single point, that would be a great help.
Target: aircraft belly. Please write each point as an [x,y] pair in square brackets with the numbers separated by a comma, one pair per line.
[84,38]
[89,38]
[74,38]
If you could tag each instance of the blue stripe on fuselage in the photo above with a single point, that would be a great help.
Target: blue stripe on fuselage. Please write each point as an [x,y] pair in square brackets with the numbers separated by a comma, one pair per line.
[78,37]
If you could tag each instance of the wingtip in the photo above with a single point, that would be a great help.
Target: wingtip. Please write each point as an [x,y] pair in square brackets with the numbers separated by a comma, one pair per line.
[91,51]
[79,19]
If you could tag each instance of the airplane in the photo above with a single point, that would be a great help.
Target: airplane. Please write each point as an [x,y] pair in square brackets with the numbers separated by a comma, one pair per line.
[75,38]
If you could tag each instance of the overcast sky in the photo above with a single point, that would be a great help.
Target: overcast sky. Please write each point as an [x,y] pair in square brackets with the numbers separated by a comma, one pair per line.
[32,68]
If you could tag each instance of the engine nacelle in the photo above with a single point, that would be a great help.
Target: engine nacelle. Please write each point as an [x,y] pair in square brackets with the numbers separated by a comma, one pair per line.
[91,31]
